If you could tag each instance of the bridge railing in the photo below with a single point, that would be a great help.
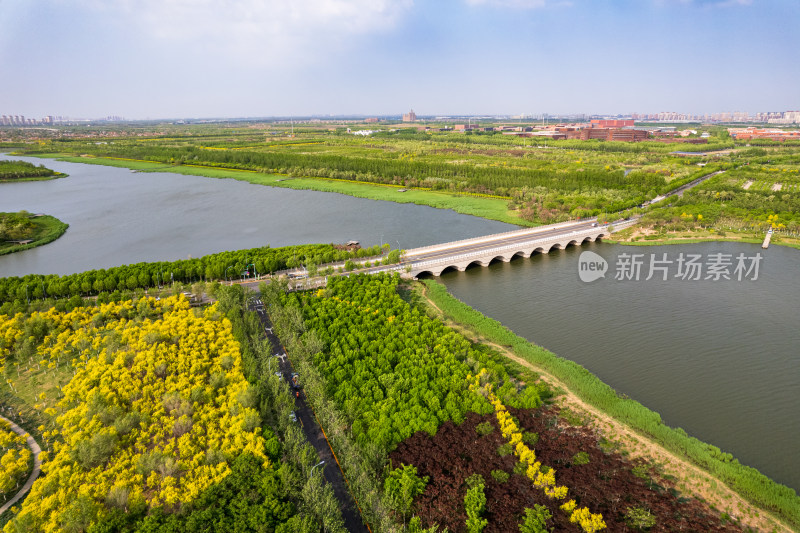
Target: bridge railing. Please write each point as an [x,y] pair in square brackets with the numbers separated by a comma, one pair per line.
[492,237]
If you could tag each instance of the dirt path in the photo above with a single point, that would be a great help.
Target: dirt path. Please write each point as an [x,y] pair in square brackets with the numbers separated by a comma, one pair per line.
[37,465]
[689,477]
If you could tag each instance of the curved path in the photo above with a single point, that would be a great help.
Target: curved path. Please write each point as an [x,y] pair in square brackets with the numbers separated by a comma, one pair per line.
[37,465]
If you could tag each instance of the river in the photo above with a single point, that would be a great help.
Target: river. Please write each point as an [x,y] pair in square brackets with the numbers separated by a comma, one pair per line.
[119,217]
[718,358]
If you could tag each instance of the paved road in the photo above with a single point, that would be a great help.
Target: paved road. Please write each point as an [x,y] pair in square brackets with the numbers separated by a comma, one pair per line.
[37,465]
[314,434]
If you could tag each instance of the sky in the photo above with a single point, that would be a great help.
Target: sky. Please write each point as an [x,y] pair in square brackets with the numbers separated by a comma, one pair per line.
[153,59]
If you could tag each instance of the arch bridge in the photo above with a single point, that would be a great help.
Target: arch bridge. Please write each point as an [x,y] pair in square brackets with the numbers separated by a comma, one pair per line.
[483,251]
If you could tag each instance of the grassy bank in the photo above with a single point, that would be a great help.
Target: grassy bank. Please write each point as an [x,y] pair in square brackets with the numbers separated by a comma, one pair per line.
[35,178]
[746,481]
[47,229]
[489,208]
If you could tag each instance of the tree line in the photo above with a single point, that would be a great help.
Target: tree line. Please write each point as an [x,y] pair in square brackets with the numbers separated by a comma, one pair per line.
[220,266]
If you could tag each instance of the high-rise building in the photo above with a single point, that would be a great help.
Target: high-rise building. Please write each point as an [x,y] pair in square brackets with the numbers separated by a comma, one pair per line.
[410,116]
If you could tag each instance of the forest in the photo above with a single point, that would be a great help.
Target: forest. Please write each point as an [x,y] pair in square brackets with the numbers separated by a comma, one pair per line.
[405,384]
[165,422]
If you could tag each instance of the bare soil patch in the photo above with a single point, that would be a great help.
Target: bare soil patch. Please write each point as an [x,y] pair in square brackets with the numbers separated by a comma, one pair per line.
[605,484]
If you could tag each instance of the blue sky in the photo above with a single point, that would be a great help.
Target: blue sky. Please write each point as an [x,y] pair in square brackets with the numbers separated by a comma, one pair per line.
[233,58]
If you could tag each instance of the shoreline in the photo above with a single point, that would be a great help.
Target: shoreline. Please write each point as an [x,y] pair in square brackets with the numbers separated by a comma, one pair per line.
[629,420]
[466,204]
[55,176]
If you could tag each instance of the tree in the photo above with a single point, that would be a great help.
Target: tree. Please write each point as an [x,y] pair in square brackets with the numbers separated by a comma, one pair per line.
[535,520]
[401,486]
[639,518]
[475,503]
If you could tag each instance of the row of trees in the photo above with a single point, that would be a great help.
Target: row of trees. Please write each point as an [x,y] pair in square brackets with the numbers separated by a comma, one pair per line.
[221,266]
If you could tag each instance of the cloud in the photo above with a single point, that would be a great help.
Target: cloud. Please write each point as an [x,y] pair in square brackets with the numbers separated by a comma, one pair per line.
[520,4]
[706,3]
[257,32]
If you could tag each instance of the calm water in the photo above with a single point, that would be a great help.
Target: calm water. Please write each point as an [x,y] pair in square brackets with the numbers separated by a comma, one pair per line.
[719,358]
[119,217]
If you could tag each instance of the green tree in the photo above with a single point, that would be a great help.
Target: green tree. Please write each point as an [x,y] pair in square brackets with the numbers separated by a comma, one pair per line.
[535,520]
[639,518]
[401,486]
[475,504]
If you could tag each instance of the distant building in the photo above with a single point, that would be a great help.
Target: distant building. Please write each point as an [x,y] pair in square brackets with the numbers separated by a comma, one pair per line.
[628,123]
[608,134]
[410,116]
[760,133]
[371,120]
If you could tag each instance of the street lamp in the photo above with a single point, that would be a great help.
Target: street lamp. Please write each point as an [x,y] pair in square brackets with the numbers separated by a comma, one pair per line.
[313,467]
[255,274]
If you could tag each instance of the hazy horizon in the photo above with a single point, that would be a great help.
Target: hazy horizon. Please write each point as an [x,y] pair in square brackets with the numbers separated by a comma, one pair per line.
[162,59]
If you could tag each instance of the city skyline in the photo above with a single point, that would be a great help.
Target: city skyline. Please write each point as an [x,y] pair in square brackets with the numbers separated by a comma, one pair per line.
[160,59]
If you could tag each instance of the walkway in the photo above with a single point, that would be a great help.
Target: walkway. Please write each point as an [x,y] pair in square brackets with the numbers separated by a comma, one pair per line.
[314,433]
[37,465]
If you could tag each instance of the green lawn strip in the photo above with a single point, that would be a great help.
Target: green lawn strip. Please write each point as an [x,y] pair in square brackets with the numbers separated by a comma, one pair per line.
[47,229]
[489,208]
[747,481]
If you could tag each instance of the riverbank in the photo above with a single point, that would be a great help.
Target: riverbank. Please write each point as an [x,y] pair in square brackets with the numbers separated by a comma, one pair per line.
[46,229]
[466,204]
[56,175]
[699,468]
[635,237]
[11,171]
